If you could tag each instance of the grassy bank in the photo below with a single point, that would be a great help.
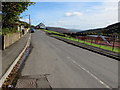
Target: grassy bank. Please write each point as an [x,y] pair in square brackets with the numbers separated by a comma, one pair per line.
[52,32]
[84,42]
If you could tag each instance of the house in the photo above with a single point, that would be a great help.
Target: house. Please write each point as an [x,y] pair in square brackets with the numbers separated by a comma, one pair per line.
[21,27]
[41,26]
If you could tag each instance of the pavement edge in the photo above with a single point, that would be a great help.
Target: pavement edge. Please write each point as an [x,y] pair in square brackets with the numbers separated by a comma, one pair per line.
[6,77]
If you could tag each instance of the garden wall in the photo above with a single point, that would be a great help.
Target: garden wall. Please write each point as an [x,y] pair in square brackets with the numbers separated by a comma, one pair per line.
[9,39]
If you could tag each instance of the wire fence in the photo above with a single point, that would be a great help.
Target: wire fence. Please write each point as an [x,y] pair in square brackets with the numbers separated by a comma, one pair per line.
[101,41]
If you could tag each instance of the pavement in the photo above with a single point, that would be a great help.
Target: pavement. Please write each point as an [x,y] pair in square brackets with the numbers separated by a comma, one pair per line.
[68,66]
[0,42]
[0,63]
[0,55]
[12,52]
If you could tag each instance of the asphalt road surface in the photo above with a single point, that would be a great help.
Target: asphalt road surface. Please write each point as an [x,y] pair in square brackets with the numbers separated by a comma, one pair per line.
[68,66]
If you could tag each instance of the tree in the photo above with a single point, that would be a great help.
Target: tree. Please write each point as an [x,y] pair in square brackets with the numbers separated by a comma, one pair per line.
[12,10]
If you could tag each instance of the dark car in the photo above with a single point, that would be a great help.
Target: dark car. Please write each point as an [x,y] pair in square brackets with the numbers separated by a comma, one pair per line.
[32,30]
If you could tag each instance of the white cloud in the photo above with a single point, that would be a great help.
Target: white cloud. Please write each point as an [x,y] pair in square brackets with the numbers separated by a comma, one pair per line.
[93,17]
[73,14]
[68,14]
[61,21]
[111,9]
[24,20]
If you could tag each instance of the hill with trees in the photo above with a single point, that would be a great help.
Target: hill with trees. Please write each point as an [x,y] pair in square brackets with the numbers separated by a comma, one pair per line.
[111,29]
[58,29]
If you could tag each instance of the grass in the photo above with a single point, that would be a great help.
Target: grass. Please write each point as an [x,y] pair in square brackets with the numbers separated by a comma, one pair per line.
[84,42]
[52,32]
[95,45]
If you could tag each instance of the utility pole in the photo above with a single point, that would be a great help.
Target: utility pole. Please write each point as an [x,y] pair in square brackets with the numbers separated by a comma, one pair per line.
[29,20]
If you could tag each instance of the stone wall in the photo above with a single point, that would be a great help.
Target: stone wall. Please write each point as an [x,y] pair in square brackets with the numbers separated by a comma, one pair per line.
[9,39]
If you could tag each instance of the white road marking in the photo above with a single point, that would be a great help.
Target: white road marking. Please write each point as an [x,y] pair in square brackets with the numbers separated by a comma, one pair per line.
[94,76]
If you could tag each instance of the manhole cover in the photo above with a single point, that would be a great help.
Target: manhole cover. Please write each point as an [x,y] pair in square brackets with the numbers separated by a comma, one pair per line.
[26,83]
[39,81]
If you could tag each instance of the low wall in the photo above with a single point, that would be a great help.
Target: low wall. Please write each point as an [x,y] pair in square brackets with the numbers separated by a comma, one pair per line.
[9,39]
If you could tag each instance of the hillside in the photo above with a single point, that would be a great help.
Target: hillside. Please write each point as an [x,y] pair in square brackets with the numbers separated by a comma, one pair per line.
[111,29]
[58,29]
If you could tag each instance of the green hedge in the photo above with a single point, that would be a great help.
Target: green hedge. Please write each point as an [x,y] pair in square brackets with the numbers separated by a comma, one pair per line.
[8,30]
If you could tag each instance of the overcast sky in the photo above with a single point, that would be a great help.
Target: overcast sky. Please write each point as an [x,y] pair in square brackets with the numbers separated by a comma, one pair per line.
[73,15]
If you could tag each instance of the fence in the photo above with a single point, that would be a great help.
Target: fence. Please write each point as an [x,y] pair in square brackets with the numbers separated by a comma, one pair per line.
[104,41]
[90,48]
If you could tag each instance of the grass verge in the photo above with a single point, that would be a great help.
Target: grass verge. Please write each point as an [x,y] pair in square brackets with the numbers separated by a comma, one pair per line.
[95,45]
[84,42]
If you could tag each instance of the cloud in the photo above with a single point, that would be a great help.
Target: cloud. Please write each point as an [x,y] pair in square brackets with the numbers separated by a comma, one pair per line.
[93,17]
[73,14]
[24,20]
[111,9]
[61,21]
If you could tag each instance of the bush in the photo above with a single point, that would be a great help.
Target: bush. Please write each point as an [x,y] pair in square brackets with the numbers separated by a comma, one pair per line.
[8,30]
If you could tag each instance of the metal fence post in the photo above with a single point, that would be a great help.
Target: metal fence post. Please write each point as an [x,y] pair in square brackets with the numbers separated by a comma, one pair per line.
[113,43]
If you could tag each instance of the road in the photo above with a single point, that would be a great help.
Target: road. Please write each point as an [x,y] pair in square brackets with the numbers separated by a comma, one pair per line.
[68,66]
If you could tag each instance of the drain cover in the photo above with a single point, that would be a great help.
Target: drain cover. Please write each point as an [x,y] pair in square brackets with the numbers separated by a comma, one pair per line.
[39,81]
[26,83]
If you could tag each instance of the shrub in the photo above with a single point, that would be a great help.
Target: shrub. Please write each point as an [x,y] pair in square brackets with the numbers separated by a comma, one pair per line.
[8,30]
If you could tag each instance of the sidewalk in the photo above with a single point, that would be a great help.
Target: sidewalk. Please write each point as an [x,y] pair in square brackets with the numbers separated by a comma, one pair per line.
[12,52]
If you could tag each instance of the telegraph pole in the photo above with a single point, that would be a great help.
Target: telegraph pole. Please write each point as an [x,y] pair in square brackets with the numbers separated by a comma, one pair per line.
[29,20]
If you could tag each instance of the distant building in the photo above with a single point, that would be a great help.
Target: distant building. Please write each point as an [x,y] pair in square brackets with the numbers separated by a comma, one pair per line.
[41,26]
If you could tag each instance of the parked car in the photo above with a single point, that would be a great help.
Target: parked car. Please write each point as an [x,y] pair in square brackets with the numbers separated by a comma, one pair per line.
[32,30]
